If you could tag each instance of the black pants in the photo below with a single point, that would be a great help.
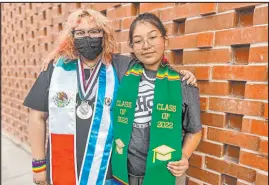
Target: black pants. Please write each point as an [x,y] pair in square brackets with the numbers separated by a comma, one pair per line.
[138,180]
[135,180]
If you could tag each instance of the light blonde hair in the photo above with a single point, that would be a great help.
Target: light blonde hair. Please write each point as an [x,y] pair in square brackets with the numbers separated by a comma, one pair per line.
[66,46]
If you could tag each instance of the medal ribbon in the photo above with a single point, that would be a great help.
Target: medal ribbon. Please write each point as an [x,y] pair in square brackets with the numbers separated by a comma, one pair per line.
[85,88]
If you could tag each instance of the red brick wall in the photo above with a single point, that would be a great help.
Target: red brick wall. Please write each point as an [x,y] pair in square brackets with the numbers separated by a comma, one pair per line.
[224,44]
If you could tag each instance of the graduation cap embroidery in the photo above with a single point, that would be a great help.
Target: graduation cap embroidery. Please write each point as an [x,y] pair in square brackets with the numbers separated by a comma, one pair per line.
[162,153]
[120,146]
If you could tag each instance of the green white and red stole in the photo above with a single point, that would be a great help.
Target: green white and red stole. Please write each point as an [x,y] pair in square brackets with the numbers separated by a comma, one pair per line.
[62,126]
[165,130]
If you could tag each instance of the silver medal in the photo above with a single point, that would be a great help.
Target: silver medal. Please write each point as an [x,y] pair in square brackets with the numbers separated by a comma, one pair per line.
[84,110]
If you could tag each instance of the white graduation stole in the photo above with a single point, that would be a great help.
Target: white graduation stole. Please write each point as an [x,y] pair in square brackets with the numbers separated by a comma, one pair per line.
[62,126]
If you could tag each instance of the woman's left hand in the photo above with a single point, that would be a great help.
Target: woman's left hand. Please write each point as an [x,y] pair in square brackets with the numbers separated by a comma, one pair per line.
[189,77]
[178,168]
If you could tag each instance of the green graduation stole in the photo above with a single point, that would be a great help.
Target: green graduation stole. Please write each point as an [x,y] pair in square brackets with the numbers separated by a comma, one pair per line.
[165,129]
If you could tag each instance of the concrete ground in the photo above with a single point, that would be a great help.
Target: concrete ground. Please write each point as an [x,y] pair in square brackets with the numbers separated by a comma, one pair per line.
[16,163]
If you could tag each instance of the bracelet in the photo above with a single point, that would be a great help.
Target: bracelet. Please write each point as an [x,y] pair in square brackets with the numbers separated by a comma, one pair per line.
[38,160]
[39,169]
[38,165]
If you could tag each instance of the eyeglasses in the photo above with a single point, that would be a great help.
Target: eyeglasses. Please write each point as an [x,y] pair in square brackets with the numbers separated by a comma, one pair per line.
[139,42]
[91,33]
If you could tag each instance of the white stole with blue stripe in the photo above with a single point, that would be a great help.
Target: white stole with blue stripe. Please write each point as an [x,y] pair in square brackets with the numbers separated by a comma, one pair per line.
[62,123]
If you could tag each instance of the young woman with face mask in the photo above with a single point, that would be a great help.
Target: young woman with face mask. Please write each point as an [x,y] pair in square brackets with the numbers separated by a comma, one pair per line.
[77,93]
[157,113]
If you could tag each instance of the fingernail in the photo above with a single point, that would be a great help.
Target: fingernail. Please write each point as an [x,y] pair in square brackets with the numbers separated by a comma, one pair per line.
[169,168]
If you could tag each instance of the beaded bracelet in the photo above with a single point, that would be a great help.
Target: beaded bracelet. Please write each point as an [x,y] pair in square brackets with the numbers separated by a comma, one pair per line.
[38,165]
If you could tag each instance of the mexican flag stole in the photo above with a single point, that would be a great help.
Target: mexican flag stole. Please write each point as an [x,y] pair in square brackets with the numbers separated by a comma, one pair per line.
[62,126]
[165,129]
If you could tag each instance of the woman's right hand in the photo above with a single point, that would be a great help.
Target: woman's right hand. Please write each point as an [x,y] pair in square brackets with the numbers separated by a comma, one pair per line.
[40,178]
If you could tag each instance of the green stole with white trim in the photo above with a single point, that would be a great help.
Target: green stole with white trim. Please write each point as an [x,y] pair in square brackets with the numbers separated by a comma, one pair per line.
[165,130]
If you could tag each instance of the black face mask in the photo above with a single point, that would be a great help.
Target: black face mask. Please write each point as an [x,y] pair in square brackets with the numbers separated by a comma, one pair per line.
[89,47]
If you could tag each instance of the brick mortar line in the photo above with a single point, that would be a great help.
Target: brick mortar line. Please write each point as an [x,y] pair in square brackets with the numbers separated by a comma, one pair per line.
[225,29]
[215,112]
[210,15]
[239,164]
[196,180]
[17,110]
[214,41]
[159,9]
[15,119]
[245,182]
[16,128]
[261,5]
[227,81]
[257,64]
[250,151]
[207,49]
[14,85]
[223,64]
[264,138]
[234,98]
[253,45]
[211,141]
[212,171]
[21,101]
[199,153]
[255,118]
[251,167]
[237,131]
[16,78]
[262,172]
[259,25]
